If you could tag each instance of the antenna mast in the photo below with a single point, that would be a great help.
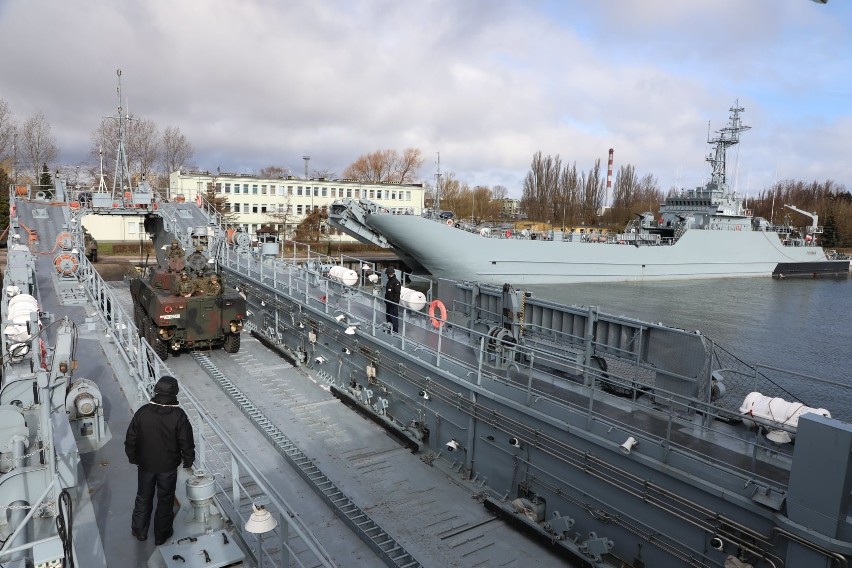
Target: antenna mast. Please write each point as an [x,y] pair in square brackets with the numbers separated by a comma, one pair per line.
[727,137]
[122,171]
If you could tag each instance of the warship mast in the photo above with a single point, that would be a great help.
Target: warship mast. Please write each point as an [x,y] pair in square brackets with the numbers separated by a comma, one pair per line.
[727,137]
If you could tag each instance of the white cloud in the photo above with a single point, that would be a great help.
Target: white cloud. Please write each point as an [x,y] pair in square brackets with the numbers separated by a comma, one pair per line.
[486,84]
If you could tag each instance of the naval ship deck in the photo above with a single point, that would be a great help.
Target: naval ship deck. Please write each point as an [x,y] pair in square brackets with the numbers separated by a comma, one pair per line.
[347,490]
[425,507]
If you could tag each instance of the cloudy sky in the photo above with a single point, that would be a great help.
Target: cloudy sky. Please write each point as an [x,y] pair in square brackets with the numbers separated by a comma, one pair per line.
[485,83]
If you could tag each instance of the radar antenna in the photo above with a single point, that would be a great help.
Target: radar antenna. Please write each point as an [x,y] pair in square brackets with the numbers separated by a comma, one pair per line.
[727,137]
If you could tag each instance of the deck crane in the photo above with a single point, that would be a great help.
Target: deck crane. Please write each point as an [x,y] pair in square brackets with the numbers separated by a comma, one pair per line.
[814,228]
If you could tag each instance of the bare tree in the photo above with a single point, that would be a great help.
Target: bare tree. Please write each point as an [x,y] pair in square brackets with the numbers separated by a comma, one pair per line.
[569,196]
[143,146]
[323,174]
[499,192]
[541,187]
[624,194]
[7,130]
[649,193]
[386,166]
[176,150]
[408,165]
[282,217]
[593,193]
[452,194]
[273,172]
[533,187]
[39,144]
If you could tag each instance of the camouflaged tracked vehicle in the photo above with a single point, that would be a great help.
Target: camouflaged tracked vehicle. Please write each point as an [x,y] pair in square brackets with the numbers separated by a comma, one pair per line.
[187,306]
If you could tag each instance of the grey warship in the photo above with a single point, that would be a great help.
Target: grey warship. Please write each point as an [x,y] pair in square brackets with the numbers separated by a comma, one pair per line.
[701,233]
[494,429]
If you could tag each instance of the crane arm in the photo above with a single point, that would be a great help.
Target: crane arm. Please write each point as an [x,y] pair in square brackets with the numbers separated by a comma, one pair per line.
[814,217]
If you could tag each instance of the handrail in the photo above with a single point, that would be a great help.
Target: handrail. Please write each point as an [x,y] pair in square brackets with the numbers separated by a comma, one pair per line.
[138,353]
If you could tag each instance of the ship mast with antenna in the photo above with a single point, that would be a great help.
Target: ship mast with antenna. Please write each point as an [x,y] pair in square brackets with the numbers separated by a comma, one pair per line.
[122,170]
[727,137]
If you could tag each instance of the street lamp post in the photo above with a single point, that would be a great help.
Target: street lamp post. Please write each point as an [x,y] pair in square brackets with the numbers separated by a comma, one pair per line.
[310,189]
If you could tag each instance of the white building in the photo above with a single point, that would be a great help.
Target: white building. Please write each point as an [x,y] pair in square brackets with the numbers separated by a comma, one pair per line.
[283,203]
[280,203]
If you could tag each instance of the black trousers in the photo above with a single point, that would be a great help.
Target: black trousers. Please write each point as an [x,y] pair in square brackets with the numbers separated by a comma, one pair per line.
[392,315]
[165,484]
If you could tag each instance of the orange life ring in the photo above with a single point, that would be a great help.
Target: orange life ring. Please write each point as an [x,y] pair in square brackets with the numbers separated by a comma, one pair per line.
[66,264]
[508,234]
[437,322]
[450,222]
[739,227]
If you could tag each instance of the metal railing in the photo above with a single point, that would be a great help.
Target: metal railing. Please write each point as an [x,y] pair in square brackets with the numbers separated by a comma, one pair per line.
[230,466]
[466,355]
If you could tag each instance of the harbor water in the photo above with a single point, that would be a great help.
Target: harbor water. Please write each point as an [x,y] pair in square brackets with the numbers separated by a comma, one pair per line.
[804,325]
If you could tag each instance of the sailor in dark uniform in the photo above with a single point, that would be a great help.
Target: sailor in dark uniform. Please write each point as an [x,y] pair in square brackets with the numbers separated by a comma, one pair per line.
[392,291]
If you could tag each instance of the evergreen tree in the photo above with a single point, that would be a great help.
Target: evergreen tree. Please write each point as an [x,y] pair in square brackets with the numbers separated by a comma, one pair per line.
[831,236]
[219,202]
[46,180]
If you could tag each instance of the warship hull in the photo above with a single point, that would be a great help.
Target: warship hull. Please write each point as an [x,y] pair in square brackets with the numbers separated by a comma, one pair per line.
[448,252]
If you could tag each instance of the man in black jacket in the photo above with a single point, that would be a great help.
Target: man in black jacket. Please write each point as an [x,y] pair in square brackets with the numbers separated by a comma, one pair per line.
[158,439]
[392,291]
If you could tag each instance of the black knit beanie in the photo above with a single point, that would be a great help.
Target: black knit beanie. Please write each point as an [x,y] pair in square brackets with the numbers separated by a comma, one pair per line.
[167,386]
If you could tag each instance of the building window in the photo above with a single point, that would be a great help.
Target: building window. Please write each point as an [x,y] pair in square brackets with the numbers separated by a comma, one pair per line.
[254,208]
[245,188]
[218,188]
[289,209]
[235,207]
[263,207]
[281,208]
[316,192]
[298,209]
[132,227]
[298,190]
[263,189]
[289,190]
[408,196]
[254,188]
[227,188]
[325,192]
[348,192]
[272,189]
